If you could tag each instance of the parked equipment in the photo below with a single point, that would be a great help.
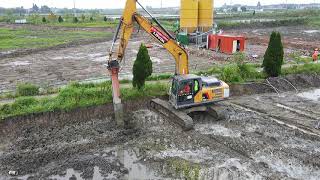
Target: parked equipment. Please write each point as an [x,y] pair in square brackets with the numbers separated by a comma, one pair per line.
[189,93]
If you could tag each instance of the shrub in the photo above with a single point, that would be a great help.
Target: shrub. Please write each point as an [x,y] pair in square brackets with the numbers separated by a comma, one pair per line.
[105,19]
[91,19]
[60,19]
[231,73]
[23,102]
[44,20]
[273,58]
[142,67]
[27,89]
[83,17]
[75,20]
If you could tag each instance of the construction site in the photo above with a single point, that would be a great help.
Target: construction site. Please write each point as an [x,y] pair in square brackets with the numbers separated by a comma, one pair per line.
[87,121]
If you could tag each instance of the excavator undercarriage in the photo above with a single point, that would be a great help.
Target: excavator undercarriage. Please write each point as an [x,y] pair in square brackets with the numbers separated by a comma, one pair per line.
[185,118]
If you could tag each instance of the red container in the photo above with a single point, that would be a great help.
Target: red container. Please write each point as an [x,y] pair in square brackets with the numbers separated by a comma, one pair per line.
[224,43]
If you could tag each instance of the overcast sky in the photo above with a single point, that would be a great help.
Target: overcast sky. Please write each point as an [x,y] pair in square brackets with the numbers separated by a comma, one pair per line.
[104,4]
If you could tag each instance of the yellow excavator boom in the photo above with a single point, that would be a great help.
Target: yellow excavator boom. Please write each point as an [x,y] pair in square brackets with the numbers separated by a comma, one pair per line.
[130,15]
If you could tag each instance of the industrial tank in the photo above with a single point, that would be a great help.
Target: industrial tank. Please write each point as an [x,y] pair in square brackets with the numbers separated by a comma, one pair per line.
[196,15]
[205,17]
[189,12]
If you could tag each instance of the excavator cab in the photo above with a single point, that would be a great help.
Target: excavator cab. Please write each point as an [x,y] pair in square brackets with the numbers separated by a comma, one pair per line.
[184,90]
[191,90]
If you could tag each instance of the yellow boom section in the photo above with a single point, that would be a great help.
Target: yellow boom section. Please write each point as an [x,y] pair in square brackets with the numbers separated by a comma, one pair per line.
[129,16]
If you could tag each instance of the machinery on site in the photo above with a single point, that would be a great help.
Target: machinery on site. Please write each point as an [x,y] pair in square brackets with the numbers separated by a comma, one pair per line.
[188,93]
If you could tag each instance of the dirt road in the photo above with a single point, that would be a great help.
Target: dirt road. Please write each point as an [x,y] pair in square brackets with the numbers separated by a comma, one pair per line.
[264,137]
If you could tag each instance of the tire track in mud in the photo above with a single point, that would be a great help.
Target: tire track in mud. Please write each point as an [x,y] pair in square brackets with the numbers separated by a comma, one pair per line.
[284,109]
[271,147]
[269,138]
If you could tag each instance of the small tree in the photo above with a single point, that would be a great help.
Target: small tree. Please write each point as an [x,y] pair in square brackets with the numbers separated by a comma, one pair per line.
[83,17]
[44,20]
[142,67]
[273,58]
[243,8]
[60,19]
[75,20]
[91,19]
[105,19]
[234,9]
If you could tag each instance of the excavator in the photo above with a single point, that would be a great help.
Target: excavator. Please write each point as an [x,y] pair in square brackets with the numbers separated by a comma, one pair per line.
[188,93]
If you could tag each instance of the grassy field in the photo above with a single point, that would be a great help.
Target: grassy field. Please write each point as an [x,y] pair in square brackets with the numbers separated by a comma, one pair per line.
[27,38]
[86,24]
[278,14]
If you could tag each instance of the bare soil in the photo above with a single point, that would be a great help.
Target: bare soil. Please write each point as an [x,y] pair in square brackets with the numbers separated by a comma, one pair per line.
[85,60]
[266,136]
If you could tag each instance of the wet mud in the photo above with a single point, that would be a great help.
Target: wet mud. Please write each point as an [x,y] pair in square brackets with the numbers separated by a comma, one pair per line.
[266,136]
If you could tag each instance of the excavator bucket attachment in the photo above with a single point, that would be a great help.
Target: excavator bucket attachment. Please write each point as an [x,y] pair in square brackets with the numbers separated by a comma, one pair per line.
[169,112]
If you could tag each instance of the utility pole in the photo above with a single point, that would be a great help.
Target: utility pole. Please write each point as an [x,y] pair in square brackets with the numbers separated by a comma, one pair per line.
[74,8]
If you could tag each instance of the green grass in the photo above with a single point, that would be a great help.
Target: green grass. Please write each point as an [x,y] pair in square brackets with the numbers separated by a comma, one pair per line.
[277,14]
[85,24]
[26,38]
[77,95]
[27,89]
[302,69]
[224,24]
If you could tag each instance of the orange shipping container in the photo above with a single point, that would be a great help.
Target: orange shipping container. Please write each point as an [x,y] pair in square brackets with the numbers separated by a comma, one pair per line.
[226,43]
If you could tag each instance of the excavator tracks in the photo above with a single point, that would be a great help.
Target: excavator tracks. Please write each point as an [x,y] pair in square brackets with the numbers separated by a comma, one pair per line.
[184,117]
[170,113]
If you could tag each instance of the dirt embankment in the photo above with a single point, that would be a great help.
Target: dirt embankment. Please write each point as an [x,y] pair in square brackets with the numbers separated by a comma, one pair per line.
[277,85]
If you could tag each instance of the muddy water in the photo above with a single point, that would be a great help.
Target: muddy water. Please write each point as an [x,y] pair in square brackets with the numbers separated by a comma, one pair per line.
[312,95]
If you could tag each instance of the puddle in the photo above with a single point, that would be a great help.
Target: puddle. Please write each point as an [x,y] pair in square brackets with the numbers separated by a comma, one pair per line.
[18,63]
[100,59]
[312,95]
[290,167]
[136,170]
[96,55]
[67,57]
[312,31]
[72,174]
[156,60]
[195,156]
[129,159]
[216,130]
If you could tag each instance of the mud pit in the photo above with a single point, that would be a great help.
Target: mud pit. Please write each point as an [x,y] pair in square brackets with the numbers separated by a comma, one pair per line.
[264,137]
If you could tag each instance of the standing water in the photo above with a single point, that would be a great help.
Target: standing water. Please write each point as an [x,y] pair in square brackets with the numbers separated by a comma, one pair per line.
[312,95]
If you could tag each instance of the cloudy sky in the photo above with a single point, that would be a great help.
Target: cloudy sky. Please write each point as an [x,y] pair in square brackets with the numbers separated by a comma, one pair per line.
[102,4]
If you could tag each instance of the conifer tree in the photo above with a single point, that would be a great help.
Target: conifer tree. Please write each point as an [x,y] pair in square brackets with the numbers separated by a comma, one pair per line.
[142,67]
[273,57]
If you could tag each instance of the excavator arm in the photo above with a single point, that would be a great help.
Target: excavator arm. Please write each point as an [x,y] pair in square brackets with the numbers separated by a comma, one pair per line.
[125,29]
[130,15]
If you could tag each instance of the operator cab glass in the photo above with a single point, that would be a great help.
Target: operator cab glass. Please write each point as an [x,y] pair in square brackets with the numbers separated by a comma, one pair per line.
[184,89]
[211,82]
